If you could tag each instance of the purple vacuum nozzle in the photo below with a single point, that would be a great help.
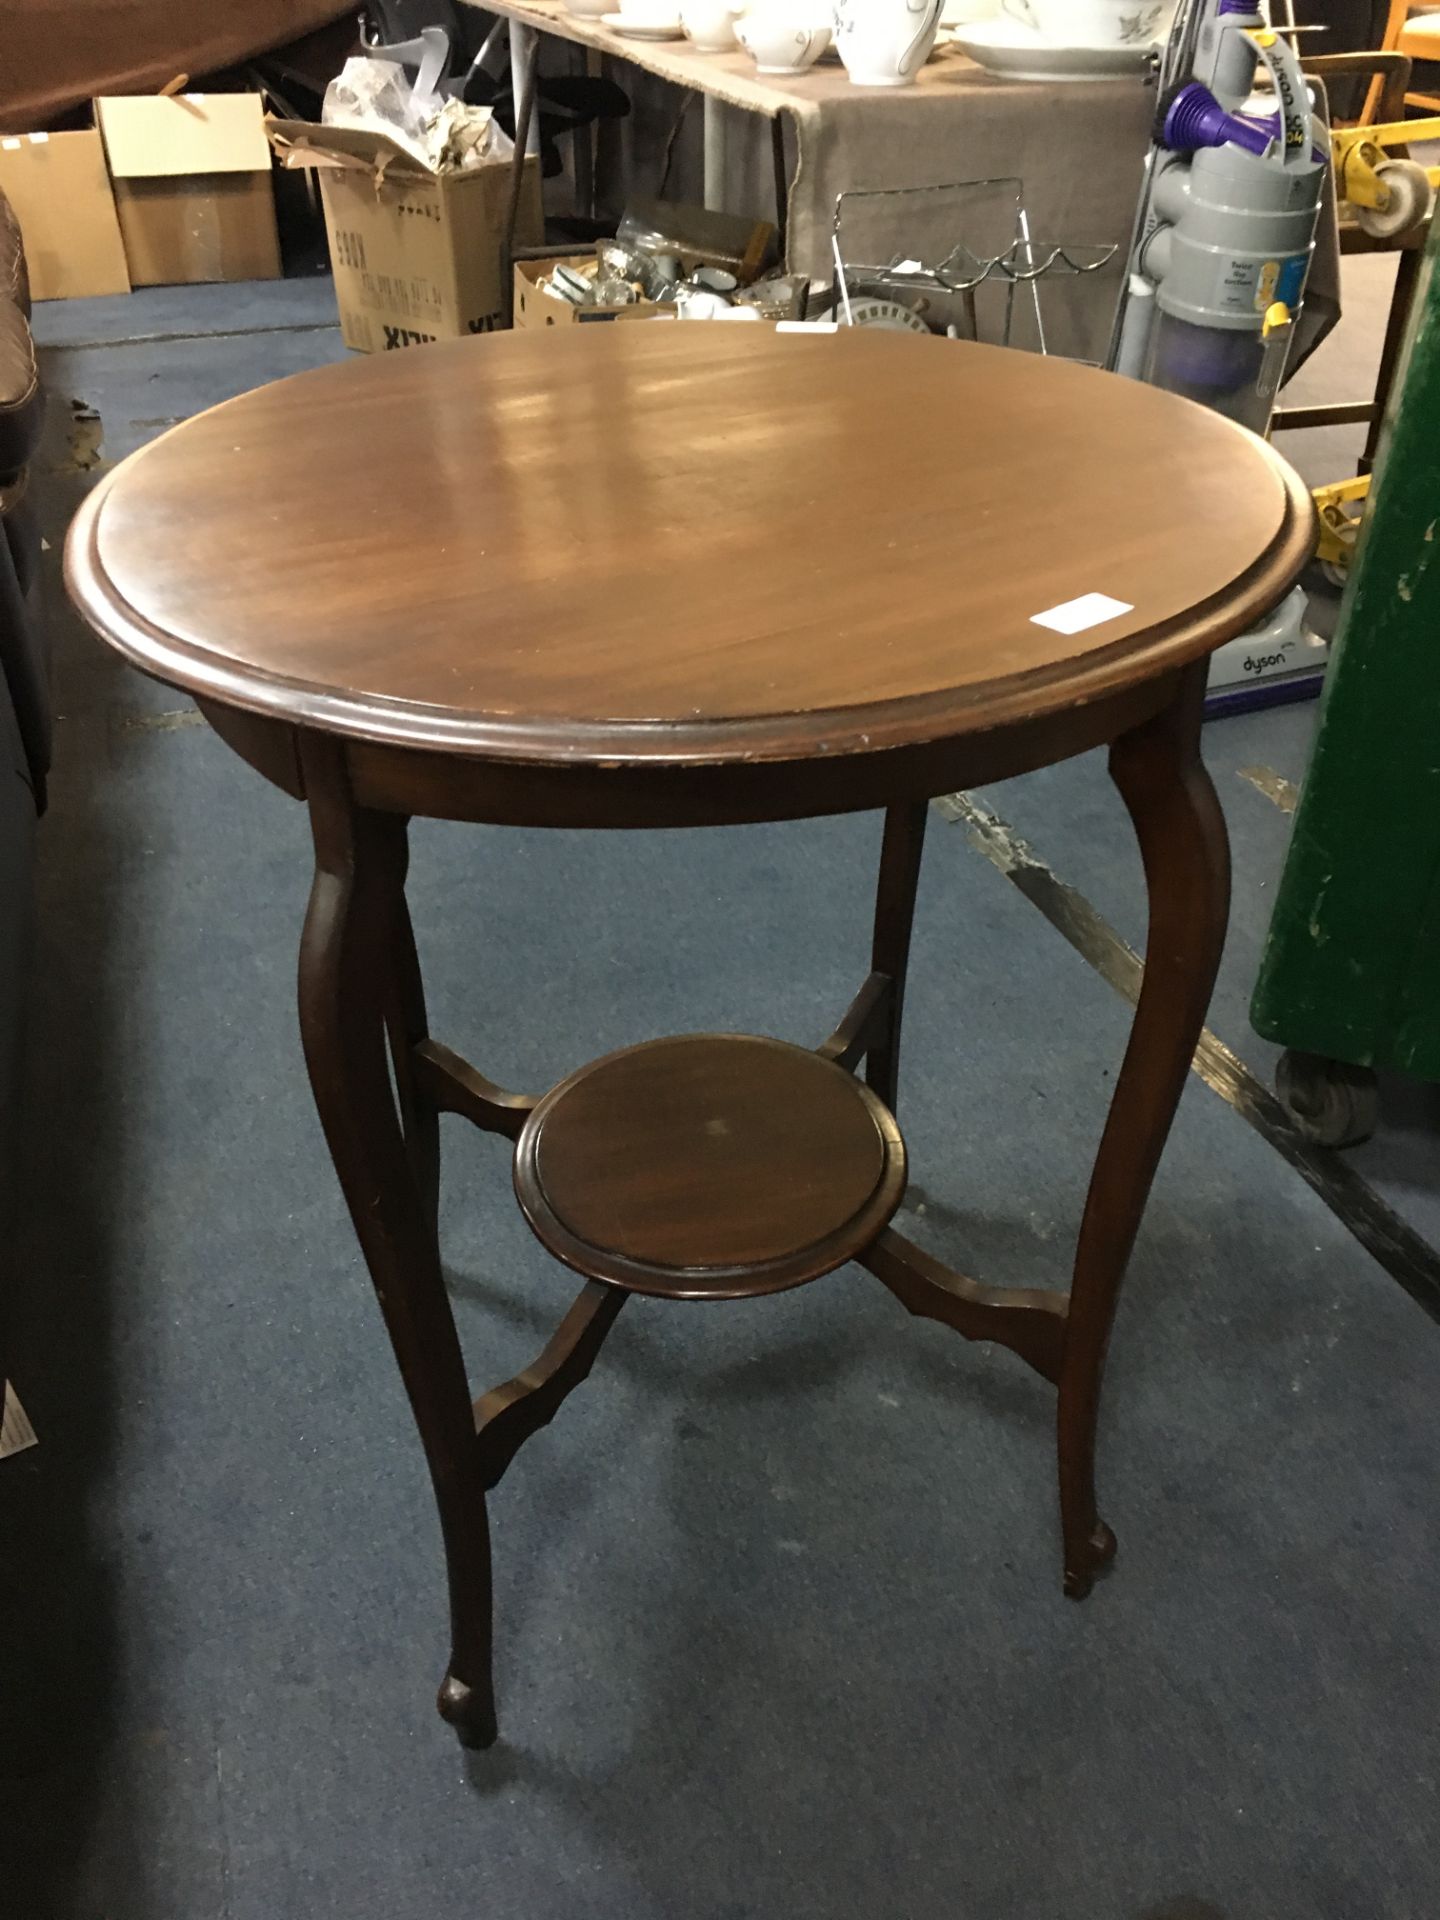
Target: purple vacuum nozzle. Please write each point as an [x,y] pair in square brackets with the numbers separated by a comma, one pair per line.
[1197,119]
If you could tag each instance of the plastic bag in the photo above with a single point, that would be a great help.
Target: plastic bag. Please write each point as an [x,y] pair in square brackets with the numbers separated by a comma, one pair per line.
[374,95]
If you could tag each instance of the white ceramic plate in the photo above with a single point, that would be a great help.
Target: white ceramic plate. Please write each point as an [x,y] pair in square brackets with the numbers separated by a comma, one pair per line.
[1008,47]
[890,315]
[637,27]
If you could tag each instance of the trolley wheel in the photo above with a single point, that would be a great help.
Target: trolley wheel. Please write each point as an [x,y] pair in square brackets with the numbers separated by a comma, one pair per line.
[1409,198]
[1332,1103]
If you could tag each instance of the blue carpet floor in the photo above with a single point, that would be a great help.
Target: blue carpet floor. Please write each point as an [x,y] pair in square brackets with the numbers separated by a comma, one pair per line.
[780,1629]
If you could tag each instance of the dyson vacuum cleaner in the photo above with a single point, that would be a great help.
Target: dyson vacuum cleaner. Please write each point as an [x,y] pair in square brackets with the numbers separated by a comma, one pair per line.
[1216,274]
[1226,221]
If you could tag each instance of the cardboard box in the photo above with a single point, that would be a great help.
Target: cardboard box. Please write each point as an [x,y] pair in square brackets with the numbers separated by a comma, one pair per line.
[416,255]
[192,186]
[60,190]
[536,308]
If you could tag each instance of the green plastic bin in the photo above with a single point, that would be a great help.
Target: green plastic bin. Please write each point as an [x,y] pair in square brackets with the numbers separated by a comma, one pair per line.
[1350,980]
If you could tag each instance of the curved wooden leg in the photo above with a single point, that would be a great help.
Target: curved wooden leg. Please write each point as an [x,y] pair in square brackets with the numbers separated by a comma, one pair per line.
[1186,854]
[900,852]
[408,1027]
[347,1007]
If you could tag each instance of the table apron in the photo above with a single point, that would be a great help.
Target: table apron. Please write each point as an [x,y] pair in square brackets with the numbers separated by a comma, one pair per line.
[432,784]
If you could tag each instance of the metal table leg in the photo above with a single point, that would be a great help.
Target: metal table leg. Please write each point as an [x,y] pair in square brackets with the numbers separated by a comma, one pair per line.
[715,158]
[524,51]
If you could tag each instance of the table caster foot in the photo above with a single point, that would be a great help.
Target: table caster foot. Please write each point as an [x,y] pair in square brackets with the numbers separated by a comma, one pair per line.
[469,1712]
[1098,1552]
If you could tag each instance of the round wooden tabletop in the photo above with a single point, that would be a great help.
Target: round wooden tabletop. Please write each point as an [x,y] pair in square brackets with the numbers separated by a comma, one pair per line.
[684,543]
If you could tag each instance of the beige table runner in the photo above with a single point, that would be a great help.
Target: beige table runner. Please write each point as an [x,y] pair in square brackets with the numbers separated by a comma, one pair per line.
[1079,149]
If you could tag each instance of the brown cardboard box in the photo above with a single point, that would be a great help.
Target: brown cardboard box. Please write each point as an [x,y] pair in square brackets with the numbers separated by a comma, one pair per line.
[416,255]
[58,186]
[535,308]
[192,186]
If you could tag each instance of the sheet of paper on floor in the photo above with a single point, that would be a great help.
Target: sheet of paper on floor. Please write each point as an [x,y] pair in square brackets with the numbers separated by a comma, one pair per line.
[16,1432]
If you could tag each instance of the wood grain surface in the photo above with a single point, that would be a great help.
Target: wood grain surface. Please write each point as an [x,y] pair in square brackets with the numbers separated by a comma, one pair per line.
[709,1166]
[682,544]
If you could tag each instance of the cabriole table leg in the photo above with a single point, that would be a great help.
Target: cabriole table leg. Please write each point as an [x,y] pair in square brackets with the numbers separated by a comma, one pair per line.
[900,853]
[355,956]
[1186,854]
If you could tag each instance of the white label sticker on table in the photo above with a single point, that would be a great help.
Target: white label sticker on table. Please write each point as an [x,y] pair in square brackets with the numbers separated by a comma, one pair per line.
[1075,616]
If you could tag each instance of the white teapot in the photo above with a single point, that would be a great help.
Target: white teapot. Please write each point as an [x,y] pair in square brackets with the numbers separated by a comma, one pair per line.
[884,43]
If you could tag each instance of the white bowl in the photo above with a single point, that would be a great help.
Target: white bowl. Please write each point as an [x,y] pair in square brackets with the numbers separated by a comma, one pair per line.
[710,24]
[780,42]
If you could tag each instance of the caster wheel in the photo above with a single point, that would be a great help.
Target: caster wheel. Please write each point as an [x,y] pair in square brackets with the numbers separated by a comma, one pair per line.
[1332,1103]
[1408,199]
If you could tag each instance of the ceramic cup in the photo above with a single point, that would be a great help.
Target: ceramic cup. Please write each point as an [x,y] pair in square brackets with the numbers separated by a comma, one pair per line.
[884,43]
[779,41]
[1094,23]
[710,306]
[710,24]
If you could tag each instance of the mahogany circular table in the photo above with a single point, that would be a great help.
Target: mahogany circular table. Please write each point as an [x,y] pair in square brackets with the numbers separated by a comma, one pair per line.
[644,575]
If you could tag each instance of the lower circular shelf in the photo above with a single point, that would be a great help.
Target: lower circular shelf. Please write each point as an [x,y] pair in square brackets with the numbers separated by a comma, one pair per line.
[710,1166]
